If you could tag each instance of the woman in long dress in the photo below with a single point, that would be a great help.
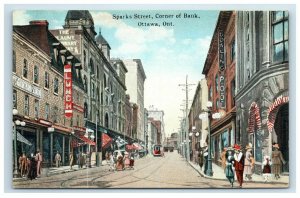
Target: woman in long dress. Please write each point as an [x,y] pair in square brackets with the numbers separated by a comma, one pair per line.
[120,162]
[248,169]
[277,161]
[126,159]
[229,165]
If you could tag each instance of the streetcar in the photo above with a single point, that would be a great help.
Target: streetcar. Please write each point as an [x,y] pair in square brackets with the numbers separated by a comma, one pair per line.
[157,150]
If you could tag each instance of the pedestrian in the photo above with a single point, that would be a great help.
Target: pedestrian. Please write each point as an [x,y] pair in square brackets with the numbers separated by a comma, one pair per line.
[131,161]
[80,159]
[249,162]
[266,166]
[71,158]
[126,159]
[205,155]
[229,163]
[120,162]
[223,158]
[57,159]
[88,160]
[39,159]
[239,164]
[23,164]
[277,161]
[32,174]
[201,159]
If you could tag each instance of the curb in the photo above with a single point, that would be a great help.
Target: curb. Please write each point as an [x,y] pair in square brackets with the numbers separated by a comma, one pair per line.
[261,182]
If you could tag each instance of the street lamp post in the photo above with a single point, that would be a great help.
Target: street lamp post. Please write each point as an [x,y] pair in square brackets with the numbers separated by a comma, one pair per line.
[15,123]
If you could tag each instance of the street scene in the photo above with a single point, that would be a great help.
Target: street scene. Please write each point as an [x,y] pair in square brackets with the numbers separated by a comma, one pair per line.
[150,99]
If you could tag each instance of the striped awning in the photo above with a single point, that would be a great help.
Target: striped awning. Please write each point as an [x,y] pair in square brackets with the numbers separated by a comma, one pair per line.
[254,118]
[21,138]
[272,111]
[87,140]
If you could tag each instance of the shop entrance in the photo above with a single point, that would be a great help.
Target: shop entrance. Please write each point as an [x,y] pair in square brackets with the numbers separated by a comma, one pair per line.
[281,127]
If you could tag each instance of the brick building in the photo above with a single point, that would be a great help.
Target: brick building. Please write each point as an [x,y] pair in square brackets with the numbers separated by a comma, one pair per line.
[38,91]
[219,70]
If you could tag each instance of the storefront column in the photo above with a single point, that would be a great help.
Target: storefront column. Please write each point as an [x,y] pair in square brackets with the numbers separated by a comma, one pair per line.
[63,152]
[51,149]
[37,131]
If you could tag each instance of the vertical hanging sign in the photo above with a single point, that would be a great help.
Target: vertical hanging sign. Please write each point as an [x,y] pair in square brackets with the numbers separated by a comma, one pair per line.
[221,69]
[68,91]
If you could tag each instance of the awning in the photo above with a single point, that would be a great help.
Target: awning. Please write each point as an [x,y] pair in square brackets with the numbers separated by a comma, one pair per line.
[106,140]
[21,138]
[87,140]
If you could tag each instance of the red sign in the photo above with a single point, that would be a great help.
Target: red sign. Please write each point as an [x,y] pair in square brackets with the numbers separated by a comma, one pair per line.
[68,91]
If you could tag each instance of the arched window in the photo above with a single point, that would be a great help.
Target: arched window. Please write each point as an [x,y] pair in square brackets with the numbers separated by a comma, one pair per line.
[25,69]
[104,81]
[97,95]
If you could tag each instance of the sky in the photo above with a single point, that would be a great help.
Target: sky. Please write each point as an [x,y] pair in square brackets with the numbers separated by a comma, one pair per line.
[168,52]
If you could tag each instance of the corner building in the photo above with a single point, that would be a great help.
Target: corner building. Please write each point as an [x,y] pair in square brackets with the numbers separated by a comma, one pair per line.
[262,77]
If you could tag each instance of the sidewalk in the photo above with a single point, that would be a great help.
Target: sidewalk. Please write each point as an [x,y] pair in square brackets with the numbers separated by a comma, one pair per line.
[218,174]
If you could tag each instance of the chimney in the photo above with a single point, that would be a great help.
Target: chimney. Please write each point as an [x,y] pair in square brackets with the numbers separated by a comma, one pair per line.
[39,22]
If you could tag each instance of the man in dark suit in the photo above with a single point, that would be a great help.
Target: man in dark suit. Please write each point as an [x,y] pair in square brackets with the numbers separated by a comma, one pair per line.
[239,159]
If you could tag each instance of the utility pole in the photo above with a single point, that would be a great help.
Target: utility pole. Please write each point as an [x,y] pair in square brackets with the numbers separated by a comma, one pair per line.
[186,85]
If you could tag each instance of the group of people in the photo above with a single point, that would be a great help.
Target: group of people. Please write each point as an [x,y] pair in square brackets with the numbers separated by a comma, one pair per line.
[30,166]
[236,163]
[119,161]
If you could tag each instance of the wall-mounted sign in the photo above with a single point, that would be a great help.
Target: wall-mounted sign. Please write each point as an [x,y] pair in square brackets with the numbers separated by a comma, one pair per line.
[26,86]
[221,51]
[222,91]
[68,91]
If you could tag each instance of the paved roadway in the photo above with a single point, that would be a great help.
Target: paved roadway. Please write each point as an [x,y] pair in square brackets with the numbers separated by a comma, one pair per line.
[171,171]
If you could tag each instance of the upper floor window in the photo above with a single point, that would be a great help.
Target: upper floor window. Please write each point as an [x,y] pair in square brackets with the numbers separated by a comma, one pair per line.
[25,69]
[55,114]
[84,60]
[47,111]
[85,84]
[85,107]
[232,51]
[36,108]
[280,36]
[26,105]
[217,83]
[36,74]
[93,90]
[46,80]
[14,61]
[92,69]
[15,99]
[210,93]
[55,85]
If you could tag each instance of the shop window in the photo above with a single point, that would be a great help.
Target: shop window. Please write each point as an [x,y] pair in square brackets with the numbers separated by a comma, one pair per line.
[46,82]
[36,108]
[26,105]
[14,62]
[25,69]
[36,74]
[15,99]
[55,86]
[280,36]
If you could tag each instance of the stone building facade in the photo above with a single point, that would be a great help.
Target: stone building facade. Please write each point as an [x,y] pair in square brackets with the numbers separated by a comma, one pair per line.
[219,70]
[262,77]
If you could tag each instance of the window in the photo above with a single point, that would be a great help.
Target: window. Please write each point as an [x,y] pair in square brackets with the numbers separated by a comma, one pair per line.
[280,30]
[232,93]
[85,110]
[26,105]
[97,95]
[36,108]
[84,60]
[46,80]
[14,61]
[55,114]
[210,93]
[47,111]
[55,87]
[232,51]
[217,83]
[36,74]
[93,90]
[92,69]
[85,84]
[15,99]
[25,68]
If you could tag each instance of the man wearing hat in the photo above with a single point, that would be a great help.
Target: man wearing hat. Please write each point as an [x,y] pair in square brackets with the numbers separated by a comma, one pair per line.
[276,161]
[39,159]
[239,163]
[248,170]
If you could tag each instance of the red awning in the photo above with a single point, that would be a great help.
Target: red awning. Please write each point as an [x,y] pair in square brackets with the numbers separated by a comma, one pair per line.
[88,141]
[106,140]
